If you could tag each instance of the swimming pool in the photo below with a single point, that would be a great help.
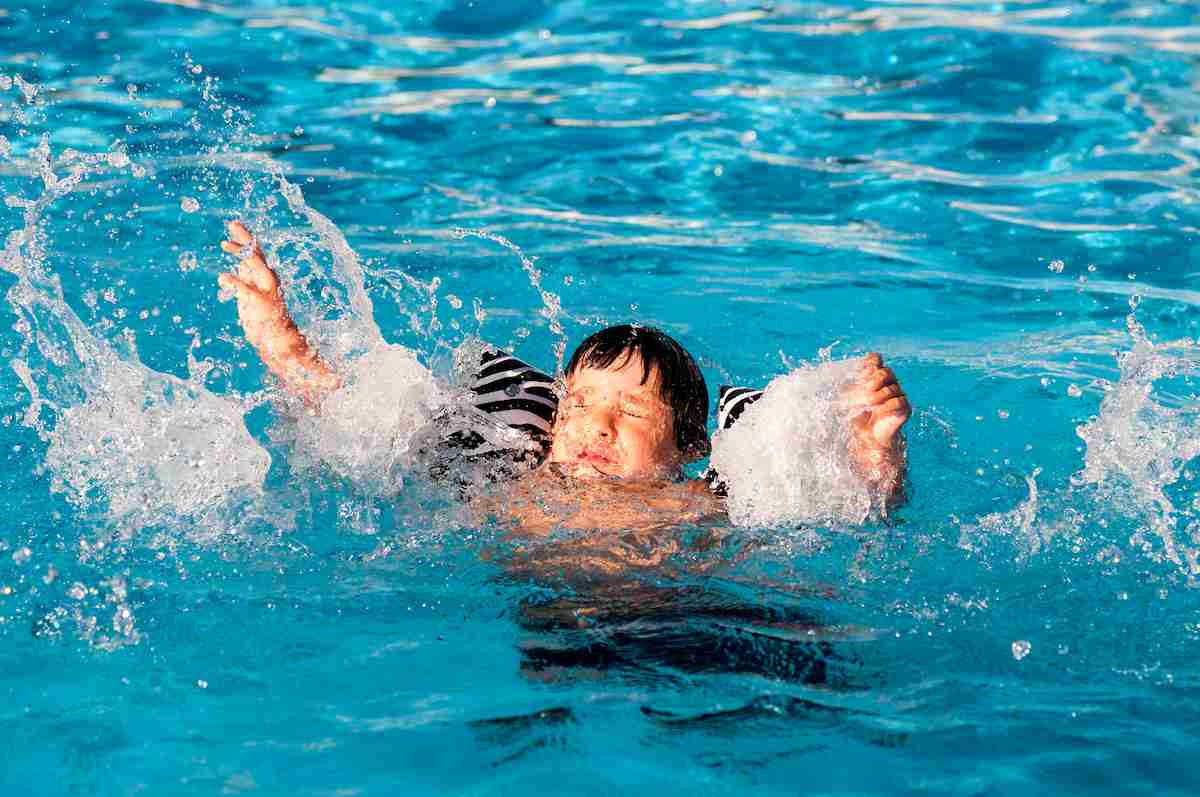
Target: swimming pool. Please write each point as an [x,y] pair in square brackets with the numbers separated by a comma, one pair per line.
[998,196]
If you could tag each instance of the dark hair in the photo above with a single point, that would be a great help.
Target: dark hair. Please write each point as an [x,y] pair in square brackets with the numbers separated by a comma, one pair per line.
[680,384]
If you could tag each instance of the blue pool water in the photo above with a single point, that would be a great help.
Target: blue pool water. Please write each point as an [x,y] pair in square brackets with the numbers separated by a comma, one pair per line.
[999,196]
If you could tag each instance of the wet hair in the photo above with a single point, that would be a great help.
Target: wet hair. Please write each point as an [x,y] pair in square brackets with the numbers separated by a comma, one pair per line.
[681,386]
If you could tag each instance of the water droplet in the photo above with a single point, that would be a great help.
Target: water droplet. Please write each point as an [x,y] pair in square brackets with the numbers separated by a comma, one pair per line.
[189,204]
[1021,648]
[1057,266]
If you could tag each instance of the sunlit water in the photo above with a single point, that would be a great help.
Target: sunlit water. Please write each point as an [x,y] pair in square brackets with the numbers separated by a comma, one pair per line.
[204,589]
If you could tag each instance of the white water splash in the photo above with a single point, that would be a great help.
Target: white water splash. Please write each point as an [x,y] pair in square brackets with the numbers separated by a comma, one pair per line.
[787,460]
[138,445]
[1138,446]
[370,430]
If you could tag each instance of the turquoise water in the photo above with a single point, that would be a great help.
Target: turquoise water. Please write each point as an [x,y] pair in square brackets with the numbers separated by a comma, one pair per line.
[1000,197]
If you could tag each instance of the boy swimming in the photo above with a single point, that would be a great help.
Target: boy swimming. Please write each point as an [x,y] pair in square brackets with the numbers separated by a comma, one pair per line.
[635,411]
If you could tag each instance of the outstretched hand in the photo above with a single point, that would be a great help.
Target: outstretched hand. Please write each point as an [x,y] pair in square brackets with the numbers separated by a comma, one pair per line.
[265,320]
[262,312]
[881,409]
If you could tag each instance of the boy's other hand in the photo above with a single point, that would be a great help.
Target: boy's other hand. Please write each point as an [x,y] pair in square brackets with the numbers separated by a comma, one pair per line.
[881,410]
[883,406]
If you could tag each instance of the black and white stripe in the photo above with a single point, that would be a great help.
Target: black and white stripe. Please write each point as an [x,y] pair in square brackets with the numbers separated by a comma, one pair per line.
[732,402]
[515,394]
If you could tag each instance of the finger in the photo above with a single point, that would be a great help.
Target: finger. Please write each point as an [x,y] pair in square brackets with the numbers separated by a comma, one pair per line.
[231,247]
[256,272]
[878,379]
[872,359]
[885,394]
[231,284]
[238,232]
[897,407]
[889,419]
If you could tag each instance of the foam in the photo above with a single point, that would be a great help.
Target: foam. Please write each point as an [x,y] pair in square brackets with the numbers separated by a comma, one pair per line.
[154,447]
[786,461]
[373,428]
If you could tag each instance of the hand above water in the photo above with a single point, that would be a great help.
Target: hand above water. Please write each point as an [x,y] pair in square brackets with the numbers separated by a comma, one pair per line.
[266,322]
[881,409]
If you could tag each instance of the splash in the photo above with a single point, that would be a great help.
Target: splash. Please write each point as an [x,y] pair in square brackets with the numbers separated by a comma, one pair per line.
[552,309]
[372,430]
[138,445]
[1138,444]
[787,460]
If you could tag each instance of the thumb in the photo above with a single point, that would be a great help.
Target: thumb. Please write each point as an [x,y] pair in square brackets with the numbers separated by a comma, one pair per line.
[885,428]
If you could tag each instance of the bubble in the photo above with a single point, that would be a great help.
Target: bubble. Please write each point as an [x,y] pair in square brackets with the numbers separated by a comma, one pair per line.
[1002,414]
[21,555]
[1056,266]
[1074,391]
[77,591]
[201,683]
[118,159]
[189,204]
[1021,648]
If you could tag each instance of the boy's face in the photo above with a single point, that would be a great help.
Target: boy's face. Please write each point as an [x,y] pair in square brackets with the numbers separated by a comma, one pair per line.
[610,424]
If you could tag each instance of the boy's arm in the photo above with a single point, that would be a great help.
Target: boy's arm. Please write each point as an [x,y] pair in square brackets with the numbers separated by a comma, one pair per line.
[876,442]
[267,324]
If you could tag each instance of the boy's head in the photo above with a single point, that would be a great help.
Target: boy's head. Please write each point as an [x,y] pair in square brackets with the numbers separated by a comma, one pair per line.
[636,406]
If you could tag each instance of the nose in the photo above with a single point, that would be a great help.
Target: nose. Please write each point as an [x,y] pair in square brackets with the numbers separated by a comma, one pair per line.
[600,421]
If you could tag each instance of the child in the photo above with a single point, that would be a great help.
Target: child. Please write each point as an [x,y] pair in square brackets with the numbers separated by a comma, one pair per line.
[635,411]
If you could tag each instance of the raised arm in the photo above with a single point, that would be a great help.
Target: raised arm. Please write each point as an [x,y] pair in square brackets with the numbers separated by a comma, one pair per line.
[267,324]
[876,442]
